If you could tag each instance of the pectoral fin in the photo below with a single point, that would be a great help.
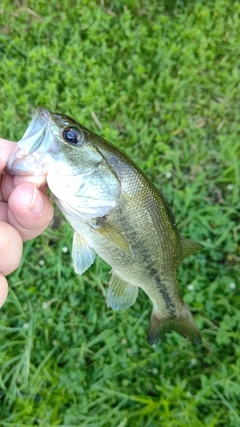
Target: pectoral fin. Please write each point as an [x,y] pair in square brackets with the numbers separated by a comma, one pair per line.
[83,256]
[111,234]
[189,247]
[121,294]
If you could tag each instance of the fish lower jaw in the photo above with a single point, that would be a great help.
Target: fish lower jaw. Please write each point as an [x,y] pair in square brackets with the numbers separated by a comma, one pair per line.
[21,163]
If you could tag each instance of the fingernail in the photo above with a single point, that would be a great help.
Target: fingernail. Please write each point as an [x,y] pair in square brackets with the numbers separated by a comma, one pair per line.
[37,204]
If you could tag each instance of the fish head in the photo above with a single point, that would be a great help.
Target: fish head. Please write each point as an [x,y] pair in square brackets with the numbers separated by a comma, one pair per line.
[50,141]
[76,171]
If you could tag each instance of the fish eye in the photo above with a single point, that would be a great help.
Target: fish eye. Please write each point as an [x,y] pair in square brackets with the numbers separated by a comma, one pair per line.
[72,135]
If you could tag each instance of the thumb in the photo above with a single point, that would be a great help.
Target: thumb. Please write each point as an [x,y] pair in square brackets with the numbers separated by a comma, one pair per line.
[30,210]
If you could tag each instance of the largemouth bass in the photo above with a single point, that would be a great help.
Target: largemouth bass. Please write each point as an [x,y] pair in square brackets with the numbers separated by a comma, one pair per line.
[116,212]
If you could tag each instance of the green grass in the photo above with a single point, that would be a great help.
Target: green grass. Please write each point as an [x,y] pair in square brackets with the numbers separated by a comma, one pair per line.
[162,78]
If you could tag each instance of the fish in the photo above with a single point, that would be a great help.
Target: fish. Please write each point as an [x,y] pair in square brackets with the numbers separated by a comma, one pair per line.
[116,212]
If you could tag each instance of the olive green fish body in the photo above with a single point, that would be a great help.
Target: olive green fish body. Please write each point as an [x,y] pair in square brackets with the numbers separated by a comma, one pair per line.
[146,222]
[119,214]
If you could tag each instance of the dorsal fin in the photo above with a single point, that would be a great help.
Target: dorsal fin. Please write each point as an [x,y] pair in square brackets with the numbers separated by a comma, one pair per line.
[189,247]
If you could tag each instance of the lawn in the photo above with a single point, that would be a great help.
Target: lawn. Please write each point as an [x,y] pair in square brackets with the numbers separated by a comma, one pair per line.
[160,80]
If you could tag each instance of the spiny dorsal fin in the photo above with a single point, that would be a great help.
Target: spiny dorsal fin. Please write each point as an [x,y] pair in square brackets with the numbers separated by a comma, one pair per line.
[189,247]
[121,294]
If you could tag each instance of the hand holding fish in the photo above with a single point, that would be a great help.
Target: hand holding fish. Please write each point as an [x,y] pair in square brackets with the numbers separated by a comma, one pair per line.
[25,211]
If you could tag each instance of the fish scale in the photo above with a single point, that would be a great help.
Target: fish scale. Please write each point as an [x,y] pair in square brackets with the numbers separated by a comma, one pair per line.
[116,212]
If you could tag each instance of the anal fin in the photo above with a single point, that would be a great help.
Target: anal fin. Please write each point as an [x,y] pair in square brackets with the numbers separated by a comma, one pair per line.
[83,256]
[121,294]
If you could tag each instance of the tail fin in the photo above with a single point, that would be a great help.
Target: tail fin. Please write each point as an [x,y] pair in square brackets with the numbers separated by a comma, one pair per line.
[183,324]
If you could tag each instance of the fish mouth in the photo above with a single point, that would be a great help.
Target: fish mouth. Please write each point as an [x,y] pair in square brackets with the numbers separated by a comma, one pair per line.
[35,131]
[24,159]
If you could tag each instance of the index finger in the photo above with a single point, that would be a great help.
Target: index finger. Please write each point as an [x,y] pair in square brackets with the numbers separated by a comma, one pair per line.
[7,148]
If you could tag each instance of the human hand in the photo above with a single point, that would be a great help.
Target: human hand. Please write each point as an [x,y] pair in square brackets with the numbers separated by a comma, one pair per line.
[25,211]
